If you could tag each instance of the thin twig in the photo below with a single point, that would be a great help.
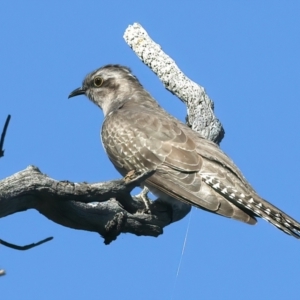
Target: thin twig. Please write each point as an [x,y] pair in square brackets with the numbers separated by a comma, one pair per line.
[26,247]
[3,135]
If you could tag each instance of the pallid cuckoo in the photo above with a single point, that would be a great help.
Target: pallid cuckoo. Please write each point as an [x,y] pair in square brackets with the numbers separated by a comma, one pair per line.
[138,134]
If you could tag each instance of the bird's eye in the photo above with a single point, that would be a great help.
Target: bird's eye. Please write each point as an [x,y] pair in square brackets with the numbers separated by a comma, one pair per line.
[98,81]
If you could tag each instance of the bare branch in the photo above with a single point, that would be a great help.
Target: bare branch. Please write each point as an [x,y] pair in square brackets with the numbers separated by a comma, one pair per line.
[3,135]
[200,115]
[106,208]
[26,247]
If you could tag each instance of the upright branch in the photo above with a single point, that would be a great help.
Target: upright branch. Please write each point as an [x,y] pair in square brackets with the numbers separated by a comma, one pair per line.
[3,135]
[200,108]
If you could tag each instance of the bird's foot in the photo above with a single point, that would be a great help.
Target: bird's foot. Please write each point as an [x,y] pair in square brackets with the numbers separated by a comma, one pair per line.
[143,195]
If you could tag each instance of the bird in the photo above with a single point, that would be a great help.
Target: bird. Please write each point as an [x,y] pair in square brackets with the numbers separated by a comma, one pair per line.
[138,134]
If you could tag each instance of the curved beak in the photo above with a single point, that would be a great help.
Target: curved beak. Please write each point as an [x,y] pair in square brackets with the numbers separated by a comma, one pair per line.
[77,92]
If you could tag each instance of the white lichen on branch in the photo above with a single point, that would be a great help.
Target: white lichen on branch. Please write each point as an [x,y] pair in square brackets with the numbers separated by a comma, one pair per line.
[200,115]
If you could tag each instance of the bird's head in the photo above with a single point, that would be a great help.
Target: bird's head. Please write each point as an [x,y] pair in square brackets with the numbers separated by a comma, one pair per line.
[109,87]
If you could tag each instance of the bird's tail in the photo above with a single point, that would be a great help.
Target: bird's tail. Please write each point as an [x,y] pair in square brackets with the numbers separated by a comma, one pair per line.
[258,206]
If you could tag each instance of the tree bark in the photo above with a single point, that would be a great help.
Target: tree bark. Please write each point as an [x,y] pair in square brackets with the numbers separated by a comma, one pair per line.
[108,208]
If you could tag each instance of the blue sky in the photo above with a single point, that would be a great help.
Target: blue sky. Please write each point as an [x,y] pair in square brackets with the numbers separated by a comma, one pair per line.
[246,55]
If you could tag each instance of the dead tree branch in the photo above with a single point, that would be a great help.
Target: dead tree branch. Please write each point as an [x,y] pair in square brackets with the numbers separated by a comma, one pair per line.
[26,247]
[106,208]
[200,108]
[3,135]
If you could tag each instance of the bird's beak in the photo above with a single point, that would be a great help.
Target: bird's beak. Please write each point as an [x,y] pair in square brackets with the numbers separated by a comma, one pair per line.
[79,91]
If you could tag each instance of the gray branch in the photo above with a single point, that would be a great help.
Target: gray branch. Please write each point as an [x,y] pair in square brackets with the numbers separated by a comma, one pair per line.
[108,208]
[200,108]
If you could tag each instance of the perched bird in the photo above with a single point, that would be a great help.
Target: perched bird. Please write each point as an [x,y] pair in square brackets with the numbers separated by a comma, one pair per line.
[138,134]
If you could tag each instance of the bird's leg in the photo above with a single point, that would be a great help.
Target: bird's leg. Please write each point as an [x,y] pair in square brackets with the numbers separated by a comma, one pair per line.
[143,195]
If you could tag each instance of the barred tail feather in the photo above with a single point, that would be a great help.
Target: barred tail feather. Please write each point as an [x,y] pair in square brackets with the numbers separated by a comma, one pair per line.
[256,205]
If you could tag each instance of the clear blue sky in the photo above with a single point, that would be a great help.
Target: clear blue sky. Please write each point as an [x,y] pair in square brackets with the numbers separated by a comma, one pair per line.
[246,55]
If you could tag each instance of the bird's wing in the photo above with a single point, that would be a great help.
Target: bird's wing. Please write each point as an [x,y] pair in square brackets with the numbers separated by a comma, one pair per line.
[146,139]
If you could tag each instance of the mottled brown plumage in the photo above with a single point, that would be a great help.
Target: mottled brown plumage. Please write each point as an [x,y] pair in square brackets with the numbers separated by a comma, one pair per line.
[138,134]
